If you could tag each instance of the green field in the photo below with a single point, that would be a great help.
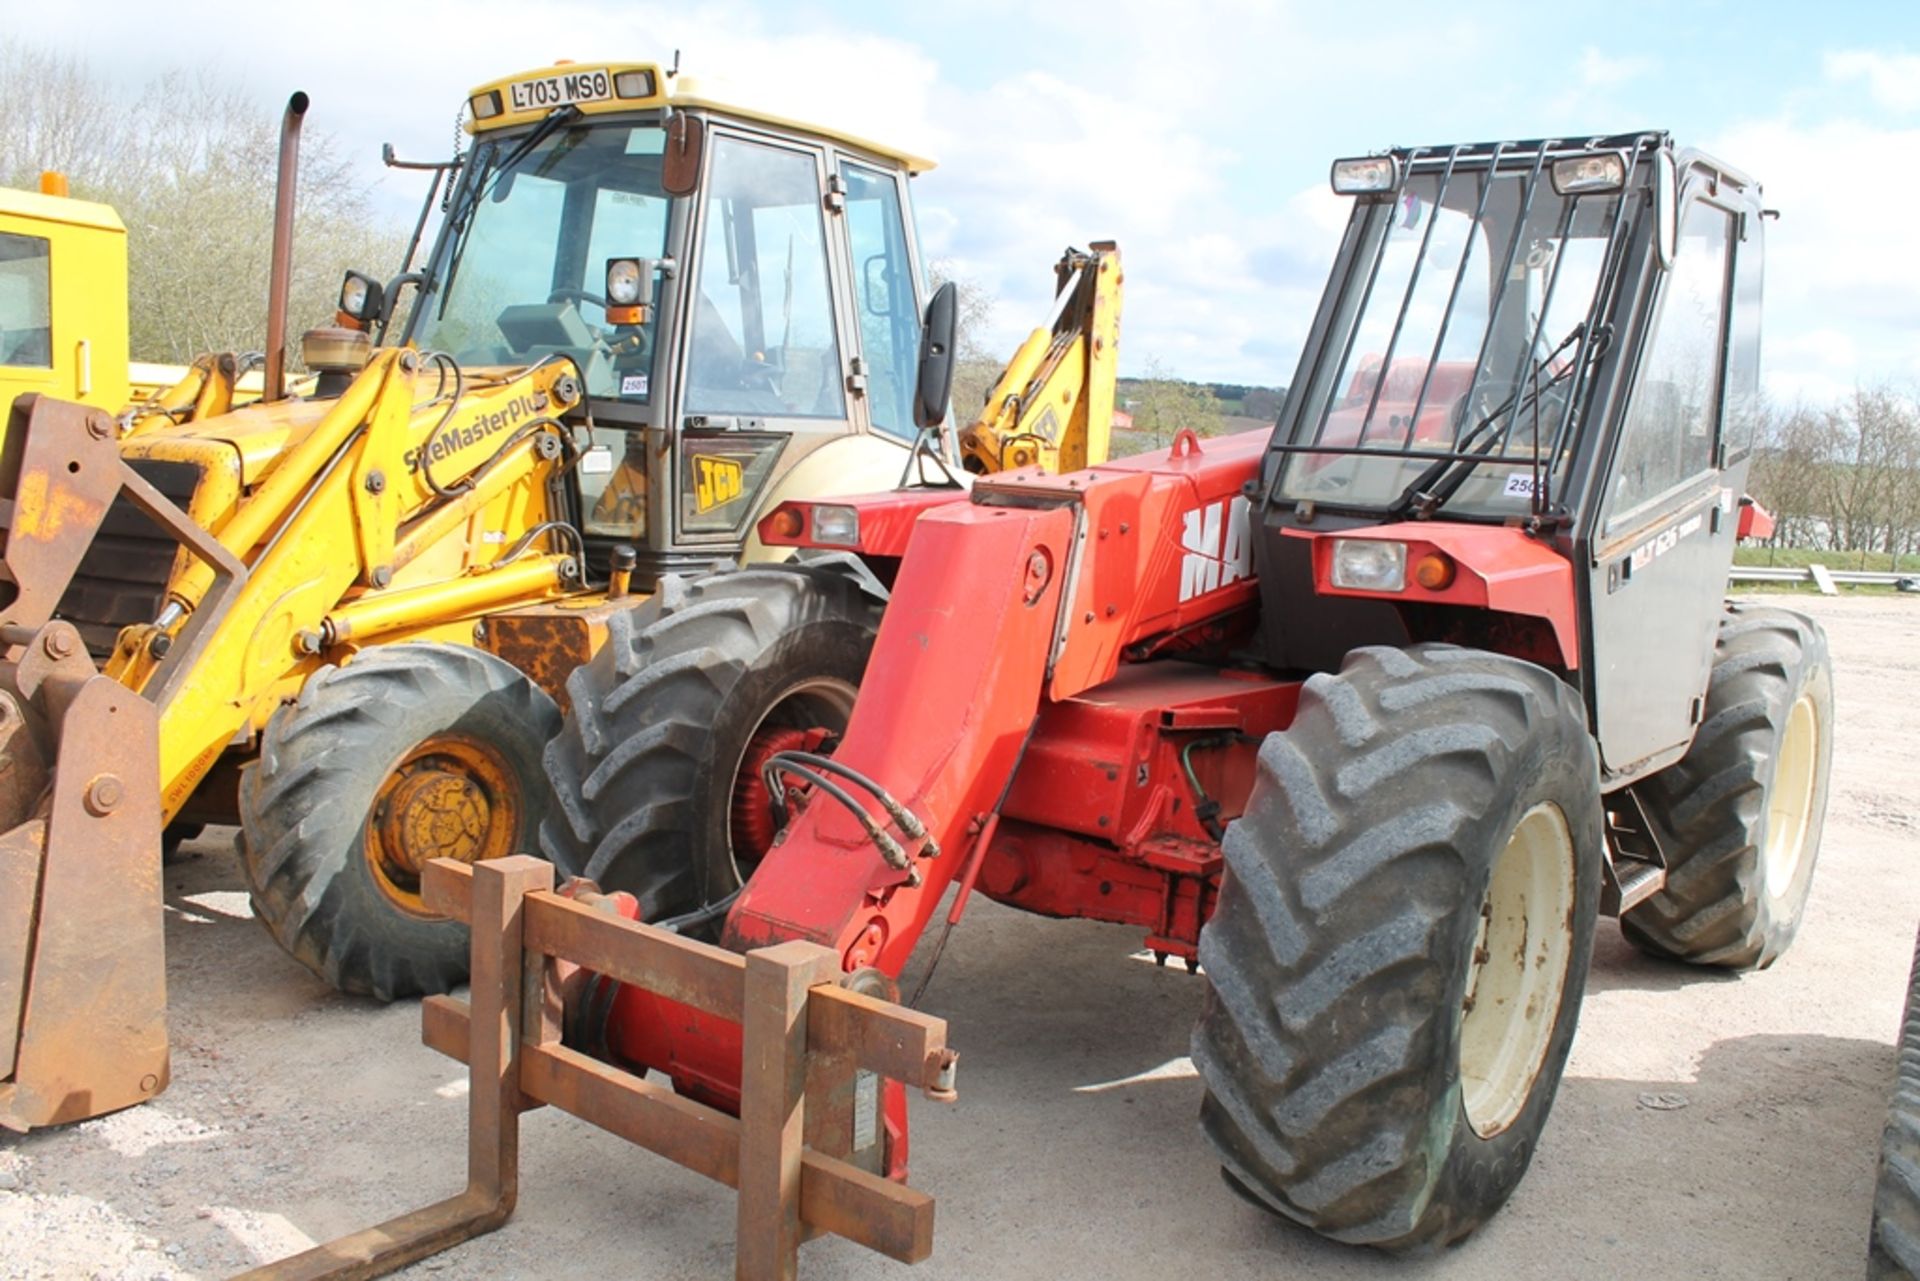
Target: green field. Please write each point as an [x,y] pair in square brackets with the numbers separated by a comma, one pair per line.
[1801,557]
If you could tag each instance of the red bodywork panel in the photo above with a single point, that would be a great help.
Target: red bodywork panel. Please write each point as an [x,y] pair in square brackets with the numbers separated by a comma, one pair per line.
[1015,604]
[886,519]
[1755,520]
[1102,821]
[1499,567]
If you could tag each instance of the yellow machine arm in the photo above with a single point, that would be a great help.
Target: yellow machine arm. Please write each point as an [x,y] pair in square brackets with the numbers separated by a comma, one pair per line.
[389,474]
[1054,403]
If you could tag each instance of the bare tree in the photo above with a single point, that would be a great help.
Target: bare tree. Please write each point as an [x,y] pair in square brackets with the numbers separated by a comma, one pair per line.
[190,166]
[976,367]
[1792,455]
[1162,405]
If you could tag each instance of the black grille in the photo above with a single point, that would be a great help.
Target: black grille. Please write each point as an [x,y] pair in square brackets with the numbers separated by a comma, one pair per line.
[124,574]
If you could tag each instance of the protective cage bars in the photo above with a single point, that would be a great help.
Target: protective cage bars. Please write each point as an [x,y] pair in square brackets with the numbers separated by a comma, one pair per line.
[805,1037]
[1486,164]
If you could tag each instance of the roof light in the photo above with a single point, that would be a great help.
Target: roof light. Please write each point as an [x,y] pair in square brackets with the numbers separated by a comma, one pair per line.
[1584,175]
[1367,176]
[1369,565]
[485,105]
[634,84]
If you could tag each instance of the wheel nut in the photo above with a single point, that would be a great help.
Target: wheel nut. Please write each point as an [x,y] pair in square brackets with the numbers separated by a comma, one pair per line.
[104,795]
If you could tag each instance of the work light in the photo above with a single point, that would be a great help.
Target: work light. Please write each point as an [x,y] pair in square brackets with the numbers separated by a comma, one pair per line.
[623,281]
[361,298]
[1367,176]
[1584,175]
[634,84]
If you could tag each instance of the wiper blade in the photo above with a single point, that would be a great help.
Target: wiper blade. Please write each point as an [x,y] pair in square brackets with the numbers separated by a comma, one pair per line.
[1442,479]
[539,134]
[481,179]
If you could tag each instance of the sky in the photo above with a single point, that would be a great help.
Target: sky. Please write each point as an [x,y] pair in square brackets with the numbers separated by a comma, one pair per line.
[1196,133]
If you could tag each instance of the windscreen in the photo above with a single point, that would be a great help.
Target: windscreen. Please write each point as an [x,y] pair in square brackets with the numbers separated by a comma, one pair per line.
[1461,339]
[526,276]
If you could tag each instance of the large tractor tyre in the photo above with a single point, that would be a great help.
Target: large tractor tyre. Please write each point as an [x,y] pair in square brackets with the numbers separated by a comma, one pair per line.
[656,771]
[1740,814]
[408,753]
[1893,1249]
[1395,966]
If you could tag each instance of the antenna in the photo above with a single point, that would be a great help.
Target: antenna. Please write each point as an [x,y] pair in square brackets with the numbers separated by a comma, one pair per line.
[674,70]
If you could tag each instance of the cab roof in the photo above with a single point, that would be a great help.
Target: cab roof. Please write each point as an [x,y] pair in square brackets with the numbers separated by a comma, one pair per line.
[43,208]
[603,88]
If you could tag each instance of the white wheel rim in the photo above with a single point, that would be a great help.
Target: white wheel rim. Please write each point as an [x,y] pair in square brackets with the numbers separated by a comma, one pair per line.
[1790,799]
[1519,970]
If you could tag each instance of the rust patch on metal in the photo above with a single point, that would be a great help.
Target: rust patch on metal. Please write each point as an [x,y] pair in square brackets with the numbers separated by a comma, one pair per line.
[549,640]
[82,965]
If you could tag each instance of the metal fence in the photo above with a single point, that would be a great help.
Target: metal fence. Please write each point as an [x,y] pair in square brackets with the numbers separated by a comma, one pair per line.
[1905,580]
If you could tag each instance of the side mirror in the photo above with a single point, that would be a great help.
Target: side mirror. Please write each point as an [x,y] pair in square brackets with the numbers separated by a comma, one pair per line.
[680,166]
[934,387]
[1666,210]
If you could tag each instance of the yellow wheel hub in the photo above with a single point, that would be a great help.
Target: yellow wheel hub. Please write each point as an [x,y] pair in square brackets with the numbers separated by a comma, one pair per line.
[451,797]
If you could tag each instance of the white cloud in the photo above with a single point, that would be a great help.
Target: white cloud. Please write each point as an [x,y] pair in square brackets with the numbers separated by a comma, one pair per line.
[1893,79]
[1843,261]
[1590,95]
[1195,135]
[1598,71]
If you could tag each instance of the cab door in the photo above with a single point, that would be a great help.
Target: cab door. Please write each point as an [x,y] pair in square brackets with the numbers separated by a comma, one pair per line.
[1665,535]
[886,295]
[763,376]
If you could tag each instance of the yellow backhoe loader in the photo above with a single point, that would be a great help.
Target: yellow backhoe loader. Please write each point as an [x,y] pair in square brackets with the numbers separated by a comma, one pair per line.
[344,619]
[63,297]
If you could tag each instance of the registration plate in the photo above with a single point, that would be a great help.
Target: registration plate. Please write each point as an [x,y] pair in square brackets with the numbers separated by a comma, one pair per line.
[560,91]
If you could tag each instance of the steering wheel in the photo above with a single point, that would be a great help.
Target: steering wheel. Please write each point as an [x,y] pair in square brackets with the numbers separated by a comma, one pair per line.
[564,295]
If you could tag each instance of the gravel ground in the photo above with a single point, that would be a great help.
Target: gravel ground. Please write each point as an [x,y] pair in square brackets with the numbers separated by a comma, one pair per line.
[1709,1125]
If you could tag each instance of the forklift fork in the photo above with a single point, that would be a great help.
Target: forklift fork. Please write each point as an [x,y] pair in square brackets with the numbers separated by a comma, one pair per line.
[806,1038]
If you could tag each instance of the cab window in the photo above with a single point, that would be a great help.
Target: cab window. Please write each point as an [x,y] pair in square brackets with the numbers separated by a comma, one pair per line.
[883,290]
[1669,434]
[1743,346]
[26,318]
[528,275]
[762,341]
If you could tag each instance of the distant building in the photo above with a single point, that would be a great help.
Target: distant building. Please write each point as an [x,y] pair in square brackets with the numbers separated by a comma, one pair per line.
[1122,420]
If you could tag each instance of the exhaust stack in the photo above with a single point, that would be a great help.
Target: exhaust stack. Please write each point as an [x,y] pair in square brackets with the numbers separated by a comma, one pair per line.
[280,281]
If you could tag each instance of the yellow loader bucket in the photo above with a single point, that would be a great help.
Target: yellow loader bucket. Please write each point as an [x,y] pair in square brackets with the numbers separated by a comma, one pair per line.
[82,968]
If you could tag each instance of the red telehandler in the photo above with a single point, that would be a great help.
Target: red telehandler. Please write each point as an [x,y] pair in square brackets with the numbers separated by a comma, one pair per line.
[1367,719]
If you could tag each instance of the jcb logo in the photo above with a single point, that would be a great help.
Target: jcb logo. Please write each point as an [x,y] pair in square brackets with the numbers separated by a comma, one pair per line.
[1218,551]
[716,481]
